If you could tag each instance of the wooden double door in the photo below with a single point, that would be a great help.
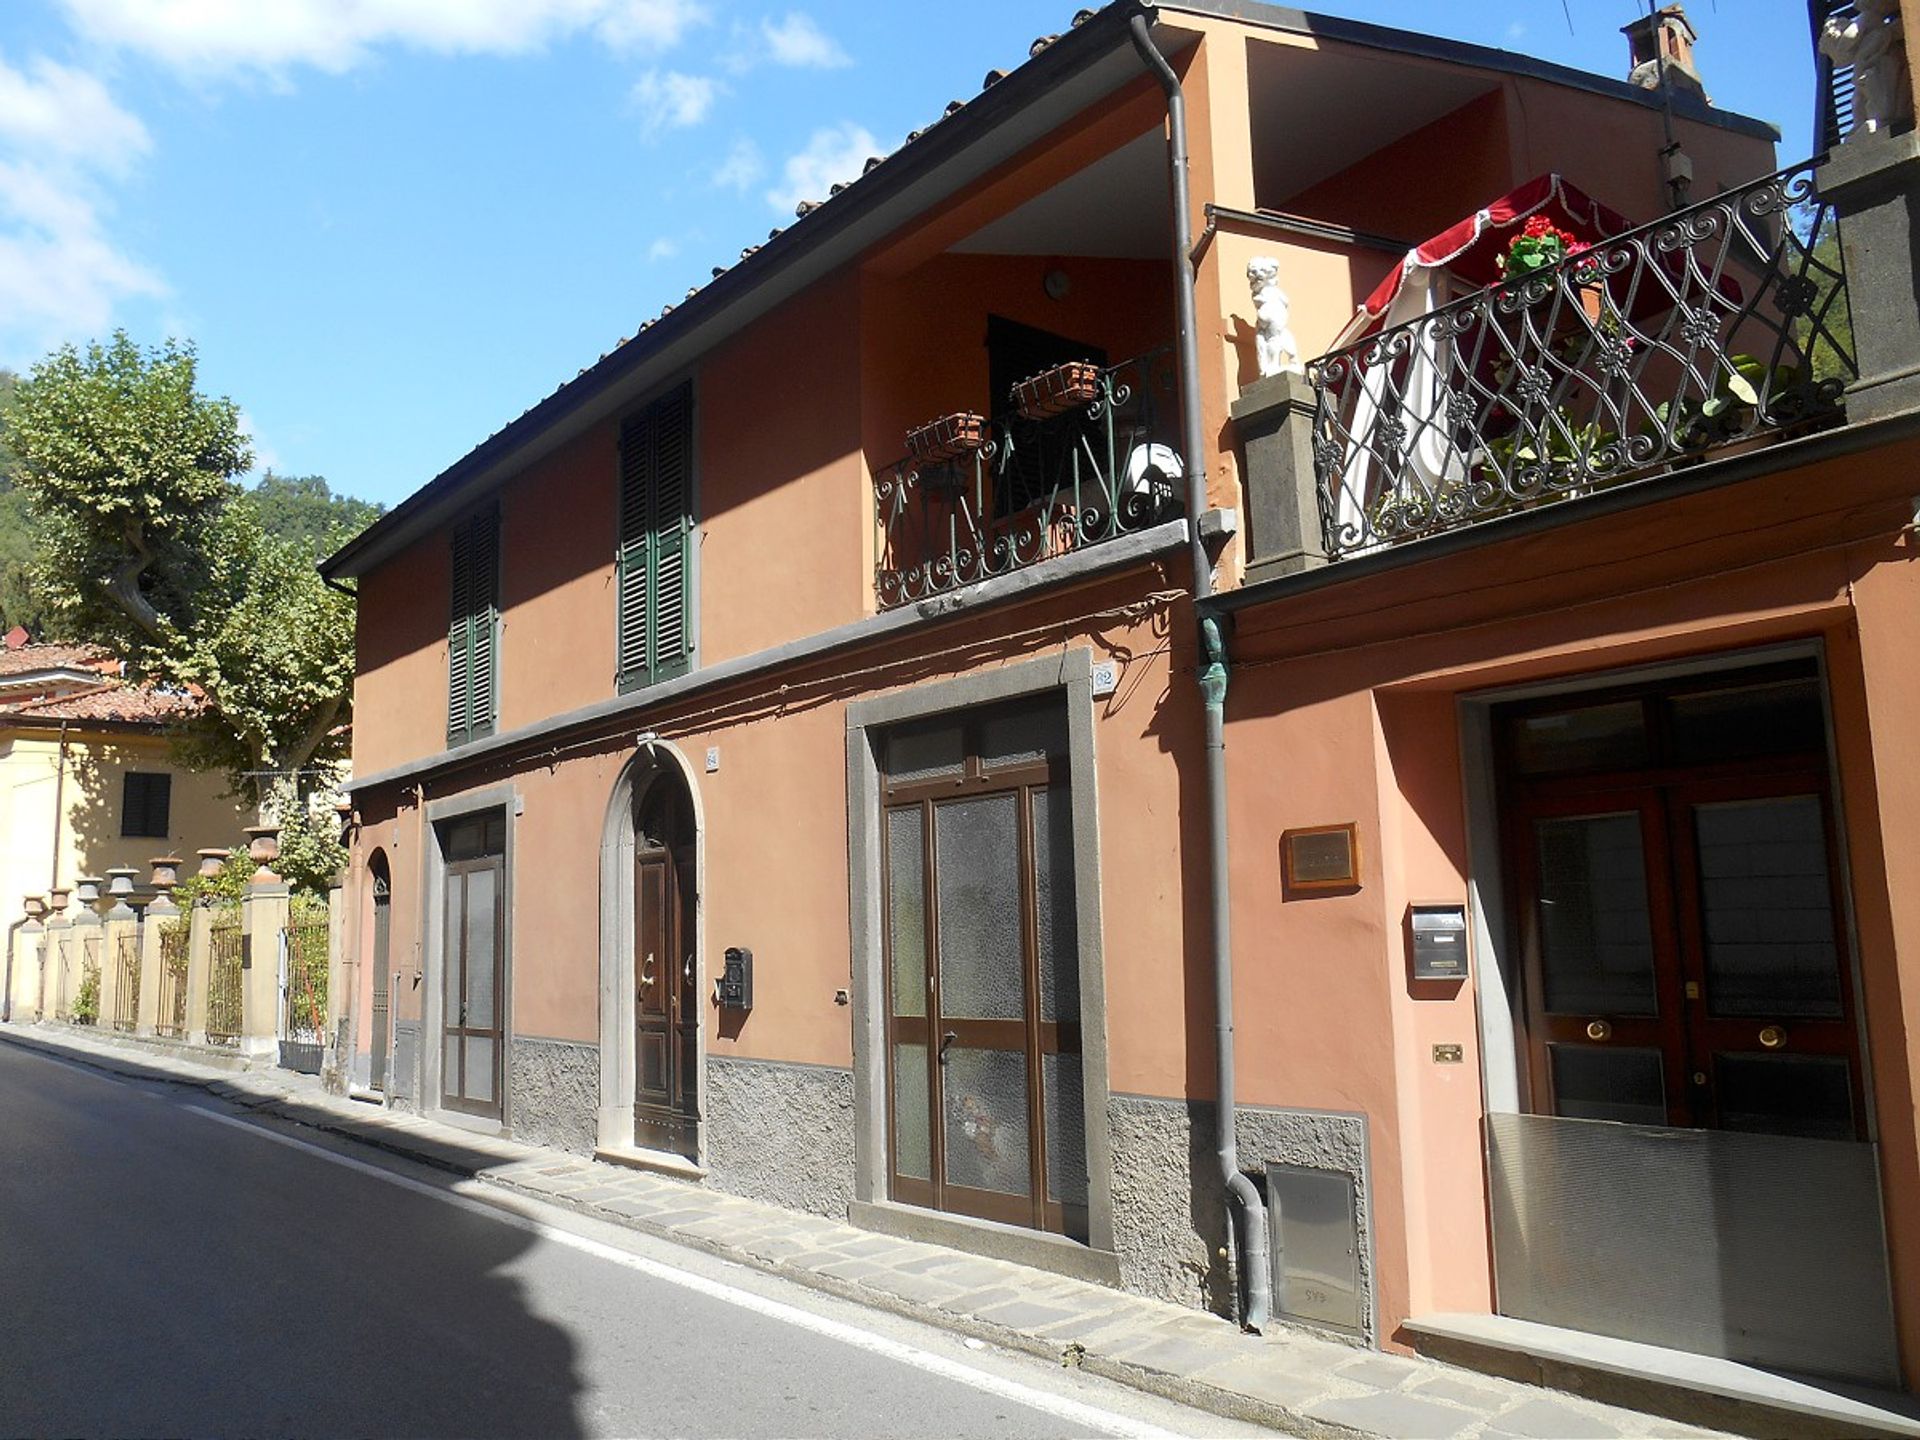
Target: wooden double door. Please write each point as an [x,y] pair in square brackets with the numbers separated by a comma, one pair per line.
[473,969]
[1677,893]
[666,1000]
[982,957]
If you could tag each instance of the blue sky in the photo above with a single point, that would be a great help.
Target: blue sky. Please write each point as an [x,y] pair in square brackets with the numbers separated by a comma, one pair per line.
[391,225]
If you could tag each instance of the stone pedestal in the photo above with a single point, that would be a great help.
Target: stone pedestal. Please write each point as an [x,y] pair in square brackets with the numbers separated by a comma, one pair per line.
[199,966]
[23,994]
[161,913]
[1274,421]
[1873,181]
[263,923]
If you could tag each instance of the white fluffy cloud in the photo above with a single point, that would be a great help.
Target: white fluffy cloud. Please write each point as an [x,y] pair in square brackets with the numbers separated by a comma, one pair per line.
[274,36]
[742,168]
[54,112]
[61,275]
[797,41]
[833,155]
[669,100]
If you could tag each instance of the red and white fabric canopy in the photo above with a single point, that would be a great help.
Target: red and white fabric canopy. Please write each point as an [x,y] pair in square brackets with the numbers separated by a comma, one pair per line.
[1469,251]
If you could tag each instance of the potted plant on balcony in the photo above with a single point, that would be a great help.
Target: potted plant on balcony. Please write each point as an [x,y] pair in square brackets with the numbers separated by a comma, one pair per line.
[1072,386]
[947,438]
[1540,245]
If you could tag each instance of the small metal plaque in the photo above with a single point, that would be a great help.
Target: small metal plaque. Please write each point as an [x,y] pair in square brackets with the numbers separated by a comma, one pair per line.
[1321,857]
[1449,1054]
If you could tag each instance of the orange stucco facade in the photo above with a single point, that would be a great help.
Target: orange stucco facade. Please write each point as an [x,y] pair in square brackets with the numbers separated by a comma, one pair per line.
[1345,703]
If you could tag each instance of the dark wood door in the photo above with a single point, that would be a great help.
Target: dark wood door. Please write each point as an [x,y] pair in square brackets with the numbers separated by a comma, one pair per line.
[1681,917]
[666,1009]
[380,1022]
[473,1027]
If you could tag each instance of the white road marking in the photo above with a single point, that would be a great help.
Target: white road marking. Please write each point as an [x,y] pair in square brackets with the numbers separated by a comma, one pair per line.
[459,1194]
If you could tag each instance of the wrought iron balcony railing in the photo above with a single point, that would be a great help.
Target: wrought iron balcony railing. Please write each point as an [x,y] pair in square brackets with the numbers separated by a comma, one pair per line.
[1033,488]
[1720,324]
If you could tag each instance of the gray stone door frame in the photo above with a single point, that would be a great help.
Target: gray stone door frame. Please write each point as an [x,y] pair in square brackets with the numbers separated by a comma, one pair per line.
[1070,675]
[613,1125]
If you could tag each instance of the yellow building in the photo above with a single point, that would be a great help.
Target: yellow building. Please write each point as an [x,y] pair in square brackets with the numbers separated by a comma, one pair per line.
[87,782]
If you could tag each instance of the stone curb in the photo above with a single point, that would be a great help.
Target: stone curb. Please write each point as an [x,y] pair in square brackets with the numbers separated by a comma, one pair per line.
[305,1104]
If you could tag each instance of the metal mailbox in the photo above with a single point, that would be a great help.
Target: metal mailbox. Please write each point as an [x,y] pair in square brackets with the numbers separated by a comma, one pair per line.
[1439,942]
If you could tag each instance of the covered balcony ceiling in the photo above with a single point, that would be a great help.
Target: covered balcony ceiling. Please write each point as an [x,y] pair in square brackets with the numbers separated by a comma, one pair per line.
[1316,110]
[1115,209]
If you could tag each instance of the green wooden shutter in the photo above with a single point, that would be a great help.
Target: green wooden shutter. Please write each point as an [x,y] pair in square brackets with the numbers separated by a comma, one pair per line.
[672,528]
[653,559]
[484,693]
[473,628]
[631,560]
[460,638]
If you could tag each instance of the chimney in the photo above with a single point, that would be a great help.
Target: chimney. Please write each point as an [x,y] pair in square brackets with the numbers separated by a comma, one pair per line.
[1663,41]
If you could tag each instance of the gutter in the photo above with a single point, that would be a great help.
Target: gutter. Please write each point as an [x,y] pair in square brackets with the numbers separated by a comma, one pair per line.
[1213,695]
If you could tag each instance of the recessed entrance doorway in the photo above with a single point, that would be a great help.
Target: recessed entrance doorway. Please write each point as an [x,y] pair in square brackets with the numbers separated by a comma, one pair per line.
[666,1002]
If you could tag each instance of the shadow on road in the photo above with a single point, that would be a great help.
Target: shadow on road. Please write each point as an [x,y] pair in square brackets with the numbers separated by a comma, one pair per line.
[164,1273]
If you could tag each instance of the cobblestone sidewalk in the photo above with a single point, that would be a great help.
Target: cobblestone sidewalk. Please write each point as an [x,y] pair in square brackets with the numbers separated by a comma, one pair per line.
[1292,1380]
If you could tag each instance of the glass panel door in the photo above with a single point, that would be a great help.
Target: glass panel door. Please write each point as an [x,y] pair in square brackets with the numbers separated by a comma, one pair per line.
[471,977]
[986,1113]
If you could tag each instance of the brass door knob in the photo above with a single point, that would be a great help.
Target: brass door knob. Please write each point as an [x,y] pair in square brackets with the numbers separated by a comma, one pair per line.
[1599,1030]
[1773,1036]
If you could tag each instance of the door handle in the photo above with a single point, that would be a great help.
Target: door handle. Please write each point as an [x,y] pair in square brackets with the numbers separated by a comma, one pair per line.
[1772,1037]
[946,1040]
[646,971]
[686,971]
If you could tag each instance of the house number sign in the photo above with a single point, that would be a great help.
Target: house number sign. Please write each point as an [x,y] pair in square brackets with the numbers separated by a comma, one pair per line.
[1321,857]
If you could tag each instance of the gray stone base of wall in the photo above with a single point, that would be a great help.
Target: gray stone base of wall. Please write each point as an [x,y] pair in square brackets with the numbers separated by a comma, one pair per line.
[781,1133]
[1169,1205]
[553,1092]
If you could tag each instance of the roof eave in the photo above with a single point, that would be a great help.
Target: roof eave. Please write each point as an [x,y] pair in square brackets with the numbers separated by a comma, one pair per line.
[1035,88]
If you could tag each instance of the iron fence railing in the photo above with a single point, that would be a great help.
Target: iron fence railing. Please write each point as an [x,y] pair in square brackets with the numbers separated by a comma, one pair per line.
[1034,488]
[171,1019]
[86,1000]
[304,1003]
[224,979]
[126,980]
[1722,323]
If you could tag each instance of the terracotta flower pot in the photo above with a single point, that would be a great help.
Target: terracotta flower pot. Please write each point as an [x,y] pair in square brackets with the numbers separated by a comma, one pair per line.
[949,437]
[1072,386]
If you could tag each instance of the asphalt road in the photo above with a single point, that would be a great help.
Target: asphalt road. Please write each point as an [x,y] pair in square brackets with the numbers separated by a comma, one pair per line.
[168,1267]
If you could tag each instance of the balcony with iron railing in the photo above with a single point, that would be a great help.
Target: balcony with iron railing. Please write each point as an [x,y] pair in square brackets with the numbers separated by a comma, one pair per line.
[1085,457]
[1718,328]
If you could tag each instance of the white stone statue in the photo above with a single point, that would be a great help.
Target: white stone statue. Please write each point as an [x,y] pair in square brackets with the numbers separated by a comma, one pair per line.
[1277,351]
[1874,45]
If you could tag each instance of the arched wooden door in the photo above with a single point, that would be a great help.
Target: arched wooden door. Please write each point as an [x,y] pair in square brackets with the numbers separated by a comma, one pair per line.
[666,1002]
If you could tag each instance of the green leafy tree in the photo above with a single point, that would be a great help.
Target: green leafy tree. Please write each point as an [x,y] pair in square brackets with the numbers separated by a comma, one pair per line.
[304,509]
[21,600]
[151,547]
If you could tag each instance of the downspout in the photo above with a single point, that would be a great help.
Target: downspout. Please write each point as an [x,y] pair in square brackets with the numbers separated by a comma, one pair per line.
[1213,694]
[59,788]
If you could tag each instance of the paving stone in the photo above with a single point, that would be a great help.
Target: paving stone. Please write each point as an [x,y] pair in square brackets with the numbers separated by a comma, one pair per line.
[871,1247]
[920,1288]
[1394,1416]
[1382,1372]
[925,1264]
[1461,1392]
[1169,1355]
[845,1269]
[816,1259]
[1088,1322]
[972,1302]
[1258,1376]
[1541,1419]
[683,1216]
[1024,1315]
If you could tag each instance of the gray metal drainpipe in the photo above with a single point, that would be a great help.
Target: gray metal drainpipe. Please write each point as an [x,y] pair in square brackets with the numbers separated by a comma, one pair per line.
[1213,693]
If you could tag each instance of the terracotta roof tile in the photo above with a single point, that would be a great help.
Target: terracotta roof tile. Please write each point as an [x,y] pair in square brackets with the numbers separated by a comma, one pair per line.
[29,658]
[135,704]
